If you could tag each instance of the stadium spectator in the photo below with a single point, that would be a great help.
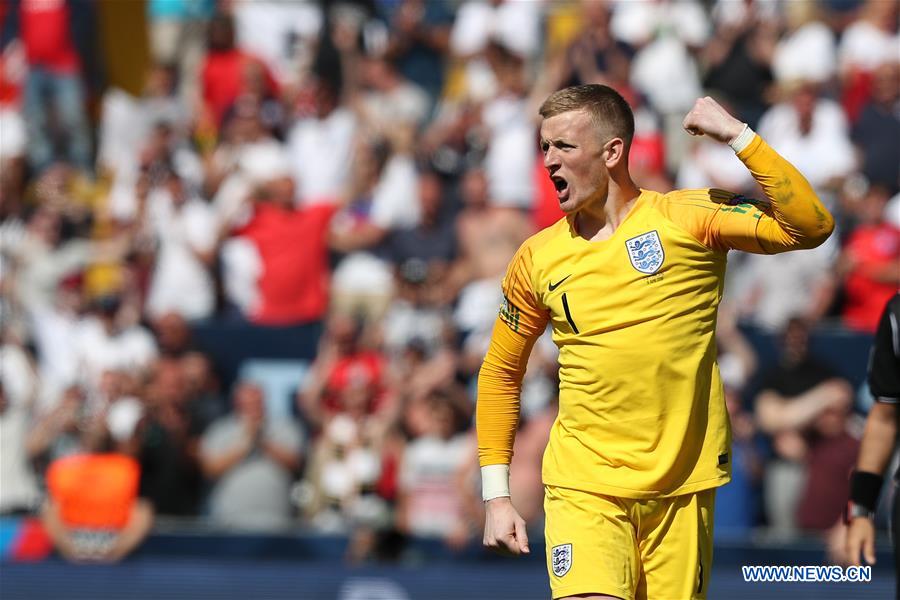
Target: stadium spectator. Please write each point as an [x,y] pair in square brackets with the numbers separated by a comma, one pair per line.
[344,369]
[63,430]
[418,41]
[382,198]
[252,460]
[166,443]
[184,230]
[429,502]
[109,338]
[389,100]
[177,31]
[830,457]
[344,488]
[868,265]
[19,493]
[321,146]
[205,402]
[876,132]
[737,60]
[794,396]
[869,41]
[271,278]
[224,73]
[596,55]
[58,38]
[432,242]
[283,34]
[812,132]
[101,522]
[768,292]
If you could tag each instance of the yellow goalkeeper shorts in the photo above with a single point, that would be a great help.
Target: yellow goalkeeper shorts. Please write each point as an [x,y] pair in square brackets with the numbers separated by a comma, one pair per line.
[658,549]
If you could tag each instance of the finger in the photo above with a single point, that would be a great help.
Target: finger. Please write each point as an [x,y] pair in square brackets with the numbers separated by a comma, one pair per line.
[522,536]
[870,550]
[852,551]
[509,542]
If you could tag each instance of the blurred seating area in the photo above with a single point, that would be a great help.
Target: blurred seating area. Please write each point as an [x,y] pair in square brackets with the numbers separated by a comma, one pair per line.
[256,246]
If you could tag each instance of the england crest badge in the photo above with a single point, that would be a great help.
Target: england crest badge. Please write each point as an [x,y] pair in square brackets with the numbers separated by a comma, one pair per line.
[646,252]
[561,559]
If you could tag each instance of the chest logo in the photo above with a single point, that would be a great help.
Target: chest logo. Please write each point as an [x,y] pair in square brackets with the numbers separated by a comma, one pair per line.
[646,252]
[553,286]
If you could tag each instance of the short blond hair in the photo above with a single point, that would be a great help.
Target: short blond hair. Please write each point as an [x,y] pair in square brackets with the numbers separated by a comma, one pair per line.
[609,111]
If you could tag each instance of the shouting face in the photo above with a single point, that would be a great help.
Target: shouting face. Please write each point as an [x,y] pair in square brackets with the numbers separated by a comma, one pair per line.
[575,156]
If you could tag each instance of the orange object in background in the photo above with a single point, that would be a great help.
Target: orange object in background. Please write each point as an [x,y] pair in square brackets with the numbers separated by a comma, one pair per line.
[95,491]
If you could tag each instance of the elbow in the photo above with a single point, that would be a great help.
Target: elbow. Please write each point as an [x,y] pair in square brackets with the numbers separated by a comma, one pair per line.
[824,229]
[814,235]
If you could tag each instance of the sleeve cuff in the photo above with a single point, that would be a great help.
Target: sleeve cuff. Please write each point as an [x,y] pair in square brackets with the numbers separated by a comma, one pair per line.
[494,482]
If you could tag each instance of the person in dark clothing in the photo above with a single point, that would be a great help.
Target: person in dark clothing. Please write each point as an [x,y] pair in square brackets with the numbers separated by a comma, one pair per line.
[878,443]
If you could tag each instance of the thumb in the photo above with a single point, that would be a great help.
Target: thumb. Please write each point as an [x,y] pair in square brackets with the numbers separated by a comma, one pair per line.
[522,536]
[869,550]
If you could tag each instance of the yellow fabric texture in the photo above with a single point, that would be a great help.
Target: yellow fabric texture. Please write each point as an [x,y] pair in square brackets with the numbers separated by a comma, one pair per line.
[641,406]
[631,549]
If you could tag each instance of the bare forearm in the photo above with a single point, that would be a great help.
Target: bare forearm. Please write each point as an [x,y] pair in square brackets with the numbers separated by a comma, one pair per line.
[135,531]
[879,439]
[283,456]
[777,413]
[215,466]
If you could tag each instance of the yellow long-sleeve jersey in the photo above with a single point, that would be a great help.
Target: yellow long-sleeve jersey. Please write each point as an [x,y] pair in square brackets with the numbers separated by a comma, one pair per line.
[641,406]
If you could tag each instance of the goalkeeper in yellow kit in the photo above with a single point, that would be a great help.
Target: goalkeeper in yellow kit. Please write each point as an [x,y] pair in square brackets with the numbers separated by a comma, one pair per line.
[630,281]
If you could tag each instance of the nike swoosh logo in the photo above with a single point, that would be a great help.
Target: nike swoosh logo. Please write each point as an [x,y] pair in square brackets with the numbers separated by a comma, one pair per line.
[553,286]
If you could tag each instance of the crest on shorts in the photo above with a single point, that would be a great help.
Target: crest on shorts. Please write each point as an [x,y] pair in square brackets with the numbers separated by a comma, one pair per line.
[561,559]
[646,252]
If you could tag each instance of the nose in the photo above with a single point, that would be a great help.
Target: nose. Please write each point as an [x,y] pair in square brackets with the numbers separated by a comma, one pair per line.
[551,159]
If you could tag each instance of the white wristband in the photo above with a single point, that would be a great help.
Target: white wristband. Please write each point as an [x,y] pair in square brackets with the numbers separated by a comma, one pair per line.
[743,139]
[494,482]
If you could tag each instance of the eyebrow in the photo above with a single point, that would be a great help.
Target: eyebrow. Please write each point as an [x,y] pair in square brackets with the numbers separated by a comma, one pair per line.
[554,141]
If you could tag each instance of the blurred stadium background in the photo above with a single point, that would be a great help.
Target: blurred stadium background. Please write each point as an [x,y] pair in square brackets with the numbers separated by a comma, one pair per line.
[250,255]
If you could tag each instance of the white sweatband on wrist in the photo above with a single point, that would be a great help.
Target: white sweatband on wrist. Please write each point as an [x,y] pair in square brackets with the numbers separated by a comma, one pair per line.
[494,482]
[743,139]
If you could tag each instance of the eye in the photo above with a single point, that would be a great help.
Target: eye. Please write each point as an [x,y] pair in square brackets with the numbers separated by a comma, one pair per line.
[545,146]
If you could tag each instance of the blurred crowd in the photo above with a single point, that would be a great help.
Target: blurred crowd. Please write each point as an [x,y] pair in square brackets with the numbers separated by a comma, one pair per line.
[373,165]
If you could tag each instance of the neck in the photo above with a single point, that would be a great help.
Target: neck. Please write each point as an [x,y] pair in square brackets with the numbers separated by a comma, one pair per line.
[600,222]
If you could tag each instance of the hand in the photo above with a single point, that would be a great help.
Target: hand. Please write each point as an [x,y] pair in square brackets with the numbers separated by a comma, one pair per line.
[709,118]
[860,538]
[504,529]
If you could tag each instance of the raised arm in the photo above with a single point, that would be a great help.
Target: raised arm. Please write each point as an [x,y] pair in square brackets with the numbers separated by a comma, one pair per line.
[792,217]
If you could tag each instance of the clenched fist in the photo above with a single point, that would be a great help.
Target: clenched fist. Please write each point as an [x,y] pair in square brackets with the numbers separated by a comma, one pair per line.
[707,117]
[504,529]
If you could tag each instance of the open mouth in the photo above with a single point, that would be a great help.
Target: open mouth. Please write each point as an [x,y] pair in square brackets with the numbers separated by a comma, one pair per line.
[562,187]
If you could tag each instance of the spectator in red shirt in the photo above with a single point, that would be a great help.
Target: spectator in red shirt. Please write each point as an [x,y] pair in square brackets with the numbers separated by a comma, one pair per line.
[346,376]
[870,263]
[227,70]
[280,251]
[56,36]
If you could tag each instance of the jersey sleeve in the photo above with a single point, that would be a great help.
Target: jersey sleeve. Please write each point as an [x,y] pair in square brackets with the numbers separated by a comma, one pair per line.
[884,362]
[520,310]
[518,326]
[791,216]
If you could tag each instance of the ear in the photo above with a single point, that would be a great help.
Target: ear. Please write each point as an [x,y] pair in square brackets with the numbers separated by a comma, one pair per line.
[614,153]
